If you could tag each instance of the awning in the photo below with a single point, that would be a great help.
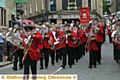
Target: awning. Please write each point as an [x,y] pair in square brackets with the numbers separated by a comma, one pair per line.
[20,1]
[2,3]
[13,12]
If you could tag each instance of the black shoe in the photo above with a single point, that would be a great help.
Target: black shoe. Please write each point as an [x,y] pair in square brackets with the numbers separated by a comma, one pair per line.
[15,69]
[52,64]
[117,61]
[76,60]
[90,67]
[99,63]
[73,63]
[95,67]
[20,68]
[46,67]
[63,66]
[41,68]
[70,66]
[57,62]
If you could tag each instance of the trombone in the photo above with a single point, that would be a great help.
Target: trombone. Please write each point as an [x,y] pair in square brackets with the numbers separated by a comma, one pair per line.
[26,49]
[93,31]
[92,37]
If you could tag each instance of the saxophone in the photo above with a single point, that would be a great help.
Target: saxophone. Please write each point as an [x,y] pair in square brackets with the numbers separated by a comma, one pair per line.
[26,49]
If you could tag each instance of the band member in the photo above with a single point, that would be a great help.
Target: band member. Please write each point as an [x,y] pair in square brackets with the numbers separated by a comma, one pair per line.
[99,38]
[116,44]
[58,46]
[109,31]
[115,49]
[76,49]
[54,41]
[92,48]
[9,45]
[31,50]
[104,28]
[44,47]
[19,52]
[68,46]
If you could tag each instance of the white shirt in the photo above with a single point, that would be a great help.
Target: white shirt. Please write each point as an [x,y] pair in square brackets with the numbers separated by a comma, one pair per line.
[66,39]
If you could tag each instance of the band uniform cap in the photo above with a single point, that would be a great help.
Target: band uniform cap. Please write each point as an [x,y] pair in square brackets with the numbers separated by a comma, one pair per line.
[67,25]
[28,28]
[43,26]
[75,25]
[10,29]
[17,29]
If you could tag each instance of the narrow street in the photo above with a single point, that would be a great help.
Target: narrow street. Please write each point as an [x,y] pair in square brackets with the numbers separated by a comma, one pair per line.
[108,70]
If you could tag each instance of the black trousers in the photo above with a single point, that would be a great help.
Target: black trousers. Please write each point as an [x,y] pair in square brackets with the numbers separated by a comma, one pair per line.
[84,50]
[28,62]
[58,55]
[92,57]
[9,48]
[99,44]
[104,37]
[117,54]
[115,49]
[110,38]
[77,56]
[52,55]
[45,54]
[69,51]
[18,54]
[80,52]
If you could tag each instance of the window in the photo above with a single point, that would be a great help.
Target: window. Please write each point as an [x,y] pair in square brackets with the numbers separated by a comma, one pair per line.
[71,5]
[108,2]
[53,5]
[30,6]
[89,4]
[4,17]
[36,4]
[42,4]
[25,9]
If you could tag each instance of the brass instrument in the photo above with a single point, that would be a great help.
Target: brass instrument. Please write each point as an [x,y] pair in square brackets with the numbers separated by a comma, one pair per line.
[51,45]
[77,42]
[26,49]
[92,36]
[68,32]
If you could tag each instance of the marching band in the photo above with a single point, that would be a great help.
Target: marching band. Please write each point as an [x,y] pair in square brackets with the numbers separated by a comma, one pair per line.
[34,43]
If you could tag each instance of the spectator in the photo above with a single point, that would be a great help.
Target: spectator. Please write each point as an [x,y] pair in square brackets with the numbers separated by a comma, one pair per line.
[17,22]
[1,45]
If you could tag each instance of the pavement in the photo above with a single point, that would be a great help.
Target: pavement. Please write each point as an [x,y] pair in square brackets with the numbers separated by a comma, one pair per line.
[108,70]
[4,63]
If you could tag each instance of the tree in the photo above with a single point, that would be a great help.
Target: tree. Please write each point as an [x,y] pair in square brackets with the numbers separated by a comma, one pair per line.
[107,6]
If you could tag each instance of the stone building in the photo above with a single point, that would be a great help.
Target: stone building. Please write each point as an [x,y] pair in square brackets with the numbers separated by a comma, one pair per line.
[7,11]
[58,11]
